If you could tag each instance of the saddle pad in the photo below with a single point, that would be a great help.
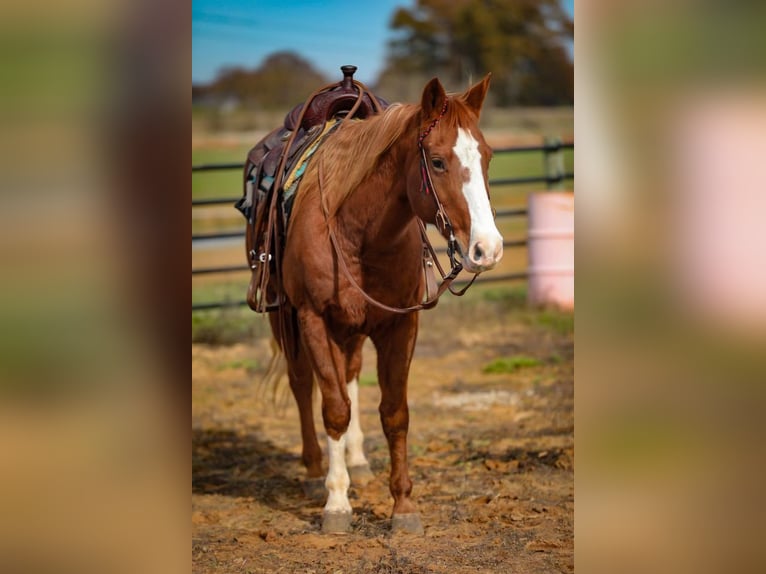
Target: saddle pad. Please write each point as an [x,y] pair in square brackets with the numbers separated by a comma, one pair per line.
[293,179]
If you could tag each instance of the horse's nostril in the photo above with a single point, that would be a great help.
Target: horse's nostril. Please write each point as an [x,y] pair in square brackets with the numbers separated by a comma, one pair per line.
[478,253]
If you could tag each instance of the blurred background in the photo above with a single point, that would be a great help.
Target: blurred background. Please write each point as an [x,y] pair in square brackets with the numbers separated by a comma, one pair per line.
[671,286]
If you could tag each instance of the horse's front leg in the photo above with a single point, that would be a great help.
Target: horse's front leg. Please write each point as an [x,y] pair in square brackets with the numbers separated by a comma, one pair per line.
[395,345]
[329,364]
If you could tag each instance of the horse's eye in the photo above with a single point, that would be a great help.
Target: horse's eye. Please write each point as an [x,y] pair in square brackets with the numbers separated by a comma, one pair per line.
[438,164]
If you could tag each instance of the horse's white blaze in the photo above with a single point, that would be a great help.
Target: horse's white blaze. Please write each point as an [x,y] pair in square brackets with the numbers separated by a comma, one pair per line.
[483,229]
[337,481]
[354,436]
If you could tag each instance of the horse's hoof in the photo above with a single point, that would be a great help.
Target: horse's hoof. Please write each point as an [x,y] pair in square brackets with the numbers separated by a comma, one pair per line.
[335,522]
[361,475]
[409,523]
[314,488]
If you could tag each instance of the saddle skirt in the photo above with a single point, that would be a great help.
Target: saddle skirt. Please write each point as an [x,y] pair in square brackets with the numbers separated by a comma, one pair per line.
[272,175]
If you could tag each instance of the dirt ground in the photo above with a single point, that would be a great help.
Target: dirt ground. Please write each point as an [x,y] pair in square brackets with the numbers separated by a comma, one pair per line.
[491,456]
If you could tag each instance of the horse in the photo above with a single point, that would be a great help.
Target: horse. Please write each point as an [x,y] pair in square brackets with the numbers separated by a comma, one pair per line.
[352,269]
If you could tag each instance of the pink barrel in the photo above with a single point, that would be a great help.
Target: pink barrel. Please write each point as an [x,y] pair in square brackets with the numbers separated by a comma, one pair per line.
[551,249]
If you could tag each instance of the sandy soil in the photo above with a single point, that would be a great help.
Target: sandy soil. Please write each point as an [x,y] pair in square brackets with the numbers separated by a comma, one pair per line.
[491,458]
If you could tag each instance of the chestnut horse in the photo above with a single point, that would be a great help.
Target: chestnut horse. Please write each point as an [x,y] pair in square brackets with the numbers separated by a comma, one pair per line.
[354,236]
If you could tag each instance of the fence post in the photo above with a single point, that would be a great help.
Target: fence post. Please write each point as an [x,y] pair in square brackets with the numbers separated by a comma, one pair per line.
[554,163]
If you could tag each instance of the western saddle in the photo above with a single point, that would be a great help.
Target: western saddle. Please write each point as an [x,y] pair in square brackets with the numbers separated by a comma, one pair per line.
[278,159]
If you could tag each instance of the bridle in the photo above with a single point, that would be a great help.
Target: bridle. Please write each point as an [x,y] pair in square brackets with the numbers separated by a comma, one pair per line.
[430,259]
[442,220]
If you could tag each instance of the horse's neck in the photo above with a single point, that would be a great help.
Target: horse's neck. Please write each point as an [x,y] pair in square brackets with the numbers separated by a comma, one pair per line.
[379,207]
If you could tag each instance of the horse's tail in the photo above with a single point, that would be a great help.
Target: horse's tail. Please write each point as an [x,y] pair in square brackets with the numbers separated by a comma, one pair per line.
[275,382]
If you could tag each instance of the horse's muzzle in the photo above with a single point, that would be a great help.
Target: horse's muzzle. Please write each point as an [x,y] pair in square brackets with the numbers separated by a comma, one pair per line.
[484,253]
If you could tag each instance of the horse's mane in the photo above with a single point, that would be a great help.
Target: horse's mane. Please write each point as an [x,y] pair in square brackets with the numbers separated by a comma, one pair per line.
[353,152]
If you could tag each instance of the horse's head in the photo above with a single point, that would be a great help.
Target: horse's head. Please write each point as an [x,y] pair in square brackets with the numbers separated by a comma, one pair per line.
[452,171]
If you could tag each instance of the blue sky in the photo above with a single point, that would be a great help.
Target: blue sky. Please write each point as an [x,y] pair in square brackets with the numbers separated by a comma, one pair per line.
[328,33]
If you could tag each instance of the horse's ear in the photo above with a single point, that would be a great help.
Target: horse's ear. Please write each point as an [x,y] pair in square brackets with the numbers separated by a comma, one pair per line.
[475,95]
[433,99]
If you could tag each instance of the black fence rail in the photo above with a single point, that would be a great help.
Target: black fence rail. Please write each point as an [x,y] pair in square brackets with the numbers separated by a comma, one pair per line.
[554,177]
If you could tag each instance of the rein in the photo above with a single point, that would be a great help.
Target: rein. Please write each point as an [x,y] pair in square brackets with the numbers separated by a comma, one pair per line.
[429,254]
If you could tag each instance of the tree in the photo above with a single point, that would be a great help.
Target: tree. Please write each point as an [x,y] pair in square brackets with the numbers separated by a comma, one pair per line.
[285,78]
[522,42]
[282,78]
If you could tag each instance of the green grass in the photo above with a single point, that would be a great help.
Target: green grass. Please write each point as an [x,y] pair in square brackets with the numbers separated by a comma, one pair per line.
[202,155]
[555,359]
[508,295]
[527,163]
[228,326]
[368,381]
[521,164]
[512,297]
[229,291]
[218,184]
[560,322]
[510,364]
[249,365]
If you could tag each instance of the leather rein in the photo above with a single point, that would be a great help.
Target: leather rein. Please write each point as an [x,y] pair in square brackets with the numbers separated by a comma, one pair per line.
[430,258]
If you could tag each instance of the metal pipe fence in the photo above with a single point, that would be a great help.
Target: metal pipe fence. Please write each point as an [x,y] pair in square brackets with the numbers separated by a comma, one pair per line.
[553,178]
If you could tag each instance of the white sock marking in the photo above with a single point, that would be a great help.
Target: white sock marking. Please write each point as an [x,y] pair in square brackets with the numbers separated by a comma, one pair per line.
[355,437]
[337,481]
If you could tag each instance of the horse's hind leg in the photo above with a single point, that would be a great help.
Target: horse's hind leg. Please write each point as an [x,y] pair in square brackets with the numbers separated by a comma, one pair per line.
[358,467]
[301,384]
[395,345]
